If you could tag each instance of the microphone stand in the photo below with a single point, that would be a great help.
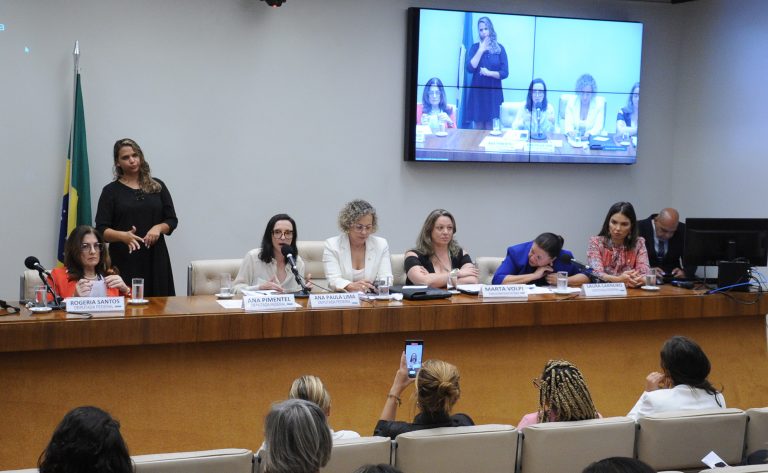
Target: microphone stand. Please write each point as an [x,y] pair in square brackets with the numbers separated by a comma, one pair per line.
[57,300]
[300,280]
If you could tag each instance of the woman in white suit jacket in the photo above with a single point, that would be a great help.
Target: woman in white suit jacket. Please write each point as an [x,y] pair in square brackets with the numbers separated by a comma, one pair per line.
[355,258]
[683,385]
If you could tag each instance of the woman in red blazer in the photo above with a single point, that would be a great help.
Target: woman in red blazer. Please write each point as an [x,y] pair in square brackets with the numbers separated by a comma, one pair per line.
[87,270]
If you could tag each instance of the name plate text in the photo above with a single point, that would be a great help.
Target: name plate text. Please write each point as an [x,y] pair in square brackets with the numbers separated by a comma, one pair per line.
[505,291]
[95,304]
[268,302]
[340,299]
[606,289]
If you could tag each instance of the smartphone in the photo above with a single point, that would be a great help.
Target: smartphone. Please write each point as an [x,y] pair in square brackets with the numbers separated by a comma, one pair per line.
[414,351]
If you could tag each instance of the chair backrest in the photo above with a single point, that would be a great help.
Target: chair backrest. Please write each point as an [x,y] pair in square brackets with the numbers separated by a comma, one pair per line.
[680,439]
[571,446]
[398,268]
[204,276]
[487,265]
[565,99]
[739,469]
[348,455]
[508,112]
[311,252]
[480,449]
[229,460]
[27,282]
[757,429]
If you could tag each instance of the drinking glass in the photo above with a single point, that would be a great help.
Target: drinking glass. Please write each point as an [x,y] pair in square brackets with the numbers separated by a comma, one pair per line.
[562,281]
[41,297]
[137,289]
[225,287]
[650,279]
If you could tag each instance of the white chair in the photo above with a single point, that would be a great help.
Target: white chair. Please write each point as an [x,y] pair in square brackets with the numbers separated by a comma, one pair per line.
[568,447]
[739,469]
[757,429]
[311,252]
[487,266]
[348,455]
[678,440]
[508,111]
[204,276]
[478,449]
[398,268]
[230,460]
[27,282]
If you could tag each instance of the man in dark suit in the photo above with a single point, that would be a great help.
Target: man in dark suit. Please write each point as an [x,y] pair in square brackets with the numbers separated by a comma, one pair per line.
[664,236]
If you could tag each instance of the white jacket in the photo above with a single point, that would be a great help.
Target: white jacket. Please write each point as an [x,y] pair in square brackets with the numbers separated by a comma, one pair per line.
[337,260]
[681,397]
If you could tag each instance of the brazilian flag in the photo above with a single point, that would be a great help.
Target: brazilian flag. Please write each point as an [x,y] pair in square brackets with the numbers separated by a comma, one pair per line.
[76,202]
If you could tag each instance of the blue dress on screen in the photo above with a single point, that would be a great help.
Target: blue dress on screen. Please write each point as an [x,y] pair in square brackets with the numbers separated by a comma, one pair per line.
[626,115]
[516,263]
[485,94]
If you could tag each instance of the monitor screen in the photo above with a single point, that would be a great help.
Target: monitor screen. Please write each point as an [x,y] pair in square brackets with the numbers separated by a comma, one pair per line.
[491,87]
[711,240]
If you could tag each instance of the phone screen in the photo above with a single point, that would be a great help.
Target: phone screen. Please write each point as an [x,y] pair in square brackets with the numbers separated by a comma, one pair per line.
[414,349]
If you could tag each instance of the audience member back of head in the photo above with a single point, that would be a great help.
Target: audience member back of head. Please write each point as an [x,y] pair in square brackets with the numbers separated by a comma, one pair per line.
[619,465]
[380,468]
[297,438]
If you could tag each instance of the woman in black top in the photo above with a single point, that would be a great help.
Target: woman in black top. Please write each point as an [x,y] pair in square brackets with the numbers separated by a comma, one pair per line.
[135,213]
[437,390]
[437,255]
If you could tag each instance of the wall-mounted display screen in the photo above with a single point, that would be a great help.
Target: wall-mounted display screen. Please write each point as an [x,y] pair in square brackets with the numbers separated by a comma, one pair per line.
[493,87]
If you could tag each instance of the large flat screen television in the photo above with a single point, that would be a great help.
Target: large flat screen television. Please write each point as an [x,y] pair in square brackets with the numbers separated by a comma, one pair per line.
[492,87]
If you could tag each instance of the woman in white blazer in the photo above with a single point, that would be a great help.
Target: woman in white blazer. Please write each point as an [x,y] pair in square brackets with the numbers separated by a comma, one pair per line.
[354,259]
[683,385]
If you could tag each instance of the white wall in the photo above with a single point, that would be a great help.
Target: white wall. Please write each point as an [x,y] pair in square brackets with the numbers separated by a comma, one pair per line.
[245,111]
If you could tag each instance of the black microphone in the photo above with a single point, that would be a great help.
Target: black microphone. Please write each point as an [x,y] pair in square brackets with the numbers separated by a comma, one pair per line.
[286,251]
[31,262]
[583,268]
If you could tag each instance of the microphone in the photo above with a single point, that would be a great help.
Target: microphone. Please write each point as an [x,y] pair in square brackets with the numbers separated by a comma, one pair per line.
[583,268]
[31,262]
[286,251]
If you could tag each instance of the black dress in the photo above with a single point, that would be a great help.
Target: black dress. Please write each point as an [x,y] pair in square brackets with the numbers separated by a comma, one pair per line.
[423,421]
[120,208]
[423,260]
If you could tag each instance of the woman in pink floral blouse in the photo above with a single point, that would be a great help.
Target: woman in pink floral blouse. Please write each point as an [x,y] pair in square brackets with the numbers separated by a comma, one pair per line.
[618,254]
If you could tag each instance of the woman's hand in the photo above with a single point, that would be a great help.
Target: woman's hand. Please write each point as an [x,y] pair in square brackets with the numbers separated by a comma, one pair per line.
[655,381]
[308,281]
[272,285]
[401,380]
[152,235]
[468,270]
[360,286]
[484,45]
[131,240]
[542,271]
[83,288]
[444,117]
[115,281]
[552,279]
[484,71]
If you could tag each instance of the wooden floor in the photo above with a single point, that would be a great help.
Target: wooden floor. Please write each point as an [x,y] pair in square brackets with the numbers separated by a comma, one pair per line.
[192,394]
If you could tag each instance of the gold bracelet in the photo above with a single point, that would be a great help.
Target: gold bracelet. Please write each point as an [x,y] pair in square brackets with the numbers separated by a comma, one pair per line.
[396,398]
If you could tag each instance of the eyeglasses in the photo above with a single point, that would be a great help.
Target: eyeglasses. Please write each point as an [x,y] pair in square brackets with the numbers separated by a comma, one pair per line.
[434,93]
[537,92]
[359,228]
[282,234]
[537,383]
[87,247]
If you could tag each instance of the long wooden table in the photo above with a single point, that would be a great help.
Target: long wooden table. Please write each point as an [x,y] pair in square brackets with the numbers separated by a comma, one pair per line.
[182,373]
[464,145]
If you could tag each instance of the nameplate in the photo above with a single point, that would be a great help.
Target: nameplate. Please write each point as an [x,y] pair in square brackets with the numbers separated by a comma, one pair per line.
[607,289]
[268,302]
[95,304]
[338,299]
[505,291]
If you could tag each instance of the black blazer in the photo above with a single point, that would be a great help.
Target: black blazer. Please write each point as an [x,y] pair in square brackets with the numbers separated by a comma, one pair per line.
[674,256]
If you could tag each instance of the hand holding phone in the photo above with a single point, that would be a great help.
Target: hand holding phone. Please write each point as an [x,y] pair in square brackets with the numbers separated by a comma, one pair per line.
[414,351]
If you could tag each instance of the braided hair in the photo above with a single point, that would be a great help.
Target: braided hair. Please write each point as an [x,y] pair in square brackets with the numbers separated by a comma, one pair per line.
[563,394]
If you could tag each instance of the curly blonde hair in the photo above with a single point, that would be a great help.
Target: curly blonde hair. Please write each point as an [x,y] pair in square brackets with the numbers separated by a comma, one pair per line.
[354,211]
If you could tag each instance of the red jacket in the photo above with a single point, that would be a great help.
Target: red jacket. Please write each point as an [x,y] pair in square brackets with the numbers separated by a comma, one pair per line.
[61,284]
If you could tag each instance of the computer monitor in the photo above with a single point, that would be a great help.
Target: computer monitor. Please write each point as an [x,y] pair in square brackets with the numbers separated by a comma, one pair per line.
[709,241]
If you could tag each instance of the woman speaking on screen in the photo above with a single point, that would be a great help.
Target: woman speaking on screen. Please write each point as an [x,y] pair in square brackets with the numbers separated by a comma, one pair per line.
[487,61]
[135,213]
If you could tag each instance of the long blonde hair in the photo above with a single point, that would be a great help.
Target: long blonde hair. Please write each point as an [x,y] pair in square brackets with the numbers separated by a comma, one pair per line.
[146,183]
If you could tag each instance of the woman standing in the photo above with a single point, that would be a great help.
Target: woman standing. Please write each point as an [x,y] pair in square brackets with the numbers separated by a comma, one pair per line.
[437,255]
[135,213]
[487,61]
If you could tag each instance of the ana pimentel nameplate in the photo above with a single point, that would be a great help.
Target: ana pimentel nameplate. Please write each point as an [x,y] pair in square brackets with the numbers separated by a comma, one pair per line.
[505,291]
[605,289]
[336,299]
[268,302]
[95,304]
